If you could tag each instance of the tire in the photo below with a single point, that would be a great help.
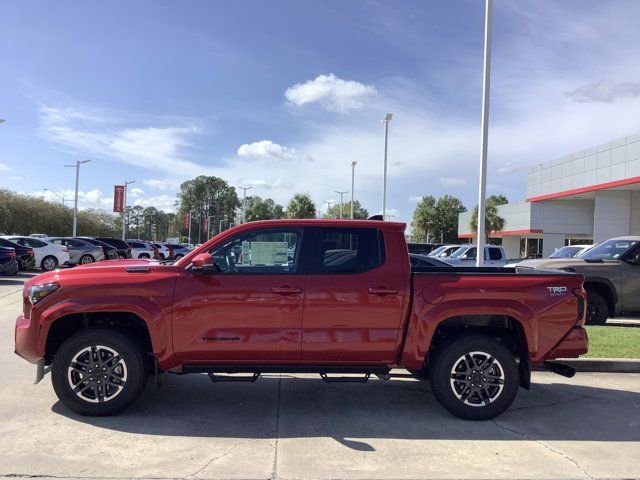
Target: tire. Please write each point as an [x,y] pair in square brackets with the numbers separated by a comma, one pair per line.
[597,308]
[49,263]
[178,257]
[127,380]
[161,255]
[464,356]
[85,259]
[143,255]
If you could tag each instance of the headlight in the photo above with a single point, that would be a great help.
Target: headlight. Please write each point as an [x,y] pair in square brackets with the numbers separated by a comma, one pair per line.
[38,292]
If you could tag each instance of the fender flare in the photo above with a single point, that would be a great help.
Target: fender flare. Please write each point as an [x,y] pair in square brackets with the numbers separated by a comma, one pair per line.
[608,284]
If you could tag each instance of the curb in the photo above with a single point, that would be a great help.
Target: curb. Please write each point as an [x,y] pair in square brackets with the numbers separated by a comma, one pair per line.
[612,365]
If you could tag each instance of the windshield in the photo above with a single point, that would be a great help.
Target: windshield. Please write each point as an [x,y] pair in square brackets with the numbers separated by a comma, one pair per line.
[609,250]
[438,250]
[459,252]
[566,252]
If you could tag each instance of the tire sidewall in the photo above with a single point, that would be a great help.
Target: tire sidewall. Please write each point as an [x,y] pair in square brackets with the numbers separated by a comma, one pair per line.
[594,298]
[441,374]
[92,260]
[132,355]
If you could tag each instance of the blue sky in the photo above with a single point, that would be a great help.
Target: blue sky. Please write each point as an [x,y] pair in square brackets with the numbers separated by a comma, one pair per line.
[284,95]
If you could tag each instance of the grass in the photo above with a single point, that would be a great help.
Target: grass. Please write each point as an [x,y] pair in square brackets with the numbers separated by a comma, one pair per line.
[613,342]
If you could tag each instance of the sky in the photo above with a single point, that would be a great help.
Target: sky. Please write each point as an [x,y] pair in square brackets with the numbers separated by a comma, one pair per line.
[283,95]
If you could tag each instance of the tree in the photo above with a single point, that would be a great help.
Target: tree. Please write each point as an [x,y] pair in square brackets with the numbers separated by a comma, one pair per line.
[359,213]
[262,209]
[492,221]
[448,209]
[207,198]
[424,221]
[301,206]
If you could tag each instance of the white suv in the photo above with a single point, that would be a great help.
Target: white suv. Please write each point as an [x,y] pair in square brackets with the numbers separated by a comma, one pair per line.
[465,256]
[47,255]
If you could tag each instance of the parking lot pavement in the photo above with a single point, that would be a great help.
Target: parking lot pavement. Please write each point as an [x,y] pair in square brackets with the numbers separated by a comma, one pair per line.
[291,428]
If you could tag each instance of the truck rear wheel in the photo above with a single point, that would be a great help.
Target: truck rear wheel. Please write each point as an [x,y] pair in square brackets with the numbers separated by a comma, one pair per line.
[597,308]
[99,372]
[475,377]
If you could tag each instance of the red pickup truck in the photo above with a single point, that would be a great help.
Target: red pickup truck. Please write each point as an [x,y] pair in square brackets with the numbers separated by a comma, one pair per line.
[334,297]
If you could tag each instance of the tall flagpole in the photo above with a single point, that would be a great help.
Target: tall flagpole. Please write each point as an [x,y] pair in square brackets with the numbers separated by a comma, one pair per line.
[482,185]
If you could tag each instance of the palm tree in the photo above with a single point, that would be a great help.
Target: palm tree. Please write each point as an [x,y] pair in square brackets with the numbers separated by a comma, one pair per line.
[492,221]
[301,206]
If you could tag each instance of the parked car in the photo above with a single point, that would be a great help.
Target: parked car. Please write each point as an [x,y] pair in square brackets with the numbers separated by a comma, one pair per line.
[39,235]
[424,248]
[140,249]
[494,256]
[163,251]
[8,262]
[81,252]
[444,251]
[570,251]
[188,246]
[47,255]
[110,252]
[419,260]
[176,250]
[611,272]
[475,333]
[122,247]
[24,255]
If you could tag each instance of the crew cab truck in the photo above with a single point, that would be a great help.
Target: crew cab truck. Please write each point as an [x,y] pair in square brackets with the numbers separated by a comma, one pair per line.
[334,297]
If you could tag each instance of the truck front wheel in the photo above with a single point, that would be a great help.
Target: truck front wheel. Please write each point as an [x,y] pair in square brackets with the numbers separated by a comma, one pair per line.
[475,377]
[98,372]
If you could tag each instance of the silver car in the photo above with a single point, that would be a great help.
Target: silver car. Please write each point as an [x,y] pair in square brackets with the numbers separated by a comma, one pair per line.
[80,251]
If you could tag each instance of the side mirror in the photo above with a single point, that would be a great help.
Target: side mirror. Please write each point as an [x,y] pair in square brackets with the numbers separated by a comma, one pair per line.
[635,260]
[202,263]
[463,257]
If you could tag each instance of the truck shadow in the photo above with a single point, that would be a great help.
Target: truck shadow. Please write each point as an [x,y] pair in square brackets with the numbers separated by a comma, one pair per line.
[351,413]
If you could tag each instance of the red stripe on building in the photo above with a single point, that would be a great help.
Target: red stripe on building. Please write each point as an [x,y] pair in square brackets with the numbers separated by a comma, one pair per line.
[590,188]
[502,233]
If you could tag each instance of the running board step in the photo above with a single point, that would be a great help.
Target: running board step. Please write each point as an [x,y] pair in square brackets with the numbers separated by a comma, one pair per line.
[260,369]
[228,378]
[328,379]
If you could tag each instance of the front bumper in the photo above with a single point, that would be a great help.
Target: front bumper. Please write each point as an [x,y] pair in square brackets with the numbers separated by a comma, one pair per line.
[26,339]
[572,345]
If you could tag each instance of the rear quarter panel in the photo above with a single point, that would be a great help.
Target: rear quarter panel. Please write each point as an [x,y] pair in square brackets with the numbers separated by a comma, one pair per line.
[545,318]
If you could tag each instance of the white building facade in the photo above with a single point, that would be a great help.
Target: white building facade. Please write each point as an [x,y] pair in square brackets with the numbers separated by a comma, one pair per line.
[586,197]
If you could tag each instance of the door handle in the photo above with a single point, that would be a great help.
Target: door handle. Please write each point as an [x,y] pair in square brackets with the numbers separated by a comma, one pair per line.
[286,290]
[381,291]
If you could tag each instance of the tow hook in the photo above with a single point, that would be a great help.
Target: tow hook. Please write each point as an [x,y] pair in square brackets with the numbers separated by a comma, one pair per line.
[560,369]
[41,371]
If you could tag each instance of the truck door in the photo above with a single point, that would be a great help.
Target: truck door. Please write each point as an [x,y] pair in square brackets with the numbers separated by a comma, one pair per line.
[354,298]
[250,308]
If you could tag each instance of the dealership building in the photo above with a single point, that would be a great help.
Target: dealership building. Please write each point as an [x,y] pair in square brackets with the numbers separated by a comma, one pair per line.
[586,197]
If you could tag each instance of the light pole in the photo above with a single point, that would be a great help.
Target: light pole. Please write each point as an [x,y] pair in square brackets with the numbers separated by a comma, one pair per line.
[55,193]
[220,225]
[124,208]
[482,182]
[75,200]
[244,202]
[353,175]
[328,202]
[341,194]
[387,119]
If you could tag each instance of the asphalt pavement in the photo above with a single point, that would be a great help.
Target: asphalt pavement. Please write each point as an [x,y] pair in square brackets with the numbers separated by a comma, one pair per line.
[294,427]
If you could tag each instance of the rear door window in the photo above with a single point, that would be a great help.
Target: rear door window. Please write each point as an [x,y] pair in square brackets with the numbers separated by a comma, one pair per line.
[495,254]
[345,250]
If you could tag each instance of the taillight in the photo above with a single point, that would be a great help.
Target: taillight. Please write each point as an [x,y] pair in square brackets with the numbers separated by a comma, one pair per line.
[30,252]
[580,296]
[11,254]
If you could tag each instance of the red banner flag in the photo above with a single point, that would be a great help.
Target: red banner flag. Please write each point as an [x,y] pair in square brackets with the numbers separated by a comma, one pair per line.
[118,198]
[186,220]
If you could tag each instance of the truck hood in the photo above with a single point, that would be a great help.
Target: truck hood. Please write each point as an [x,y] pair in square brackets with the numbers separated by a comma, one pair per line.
[107,267]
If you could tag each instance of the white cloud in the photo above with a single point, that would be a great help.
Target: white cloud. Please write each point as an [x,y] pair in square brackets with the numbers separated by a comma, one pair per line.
[15,177]
[135,141]
[333,93]
[452,181]
[509,167]
[163,185]
[135,192]
[265,184]
[266,149]
[161,202]
[4,167]
[415,199]
[605,91]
